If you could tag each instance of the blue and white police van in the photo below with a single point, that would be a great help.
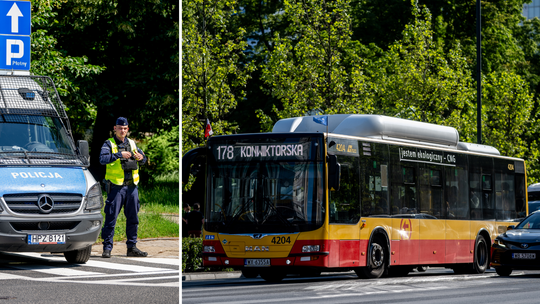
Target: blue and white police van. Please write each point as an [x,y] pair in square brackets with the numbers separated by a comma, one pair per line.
[49,201]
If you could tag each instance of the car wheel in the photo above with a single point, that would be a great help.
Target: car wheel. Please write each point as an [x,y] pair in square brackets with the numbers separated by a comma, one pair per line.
[376,263]
[480,255]
[503,271]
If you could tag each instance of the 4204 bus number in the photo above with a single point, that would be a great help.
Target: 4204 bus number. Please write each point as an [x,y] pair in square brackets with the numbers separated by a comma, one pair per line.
[280,240]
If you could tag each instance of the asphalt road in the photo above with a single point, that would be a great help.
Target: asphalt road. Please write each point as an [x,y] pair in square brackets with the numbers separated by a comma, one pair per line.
[437,285]
[48,278]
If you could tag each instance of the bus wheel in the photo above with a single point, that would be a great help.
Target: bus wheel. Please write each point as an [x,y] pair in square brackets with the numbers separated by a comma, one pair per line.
[480,255]
[376,263]
[273,275]
[250,273]
[503,271]
[422,268]
[399,271]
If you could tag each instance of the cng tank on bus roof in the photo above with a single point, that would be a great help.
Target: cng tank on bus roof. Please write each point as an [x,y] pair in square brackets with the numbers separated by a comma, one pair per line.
[374,126]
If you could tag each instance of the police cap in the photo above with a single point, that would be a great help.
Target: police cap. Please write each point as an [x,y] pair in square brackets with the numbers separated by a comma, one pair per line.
[121,121]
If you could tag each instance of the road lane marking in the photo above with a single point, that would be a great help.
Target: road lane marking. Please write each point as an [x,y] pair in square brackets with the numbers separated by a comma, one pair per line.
[174,262]
[98,264]
[55,270]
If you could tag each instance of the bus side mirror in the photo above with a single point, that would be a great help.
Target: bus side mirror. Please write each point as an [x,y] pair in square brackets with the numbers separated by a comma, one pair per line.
[192,163]
[84,150]
[334,173]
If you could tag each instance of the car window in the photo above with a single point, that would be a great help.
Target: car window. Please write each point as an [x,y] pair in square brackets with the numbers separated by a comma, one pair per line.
[532,222]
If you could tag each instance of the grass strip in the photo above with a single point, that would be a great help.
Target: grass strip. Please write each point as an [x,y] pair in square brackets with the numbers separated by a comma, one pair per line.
[162,196]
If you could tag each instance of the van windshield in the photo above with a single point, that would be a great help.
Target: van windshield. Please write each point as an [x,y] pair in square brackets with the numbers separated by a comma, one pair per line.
[42,139]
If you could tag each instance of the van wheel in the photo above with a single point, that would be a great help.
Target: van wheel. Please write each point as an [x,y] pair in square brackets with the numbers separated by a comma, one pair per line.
[80,256]
[480,255]
[376,263]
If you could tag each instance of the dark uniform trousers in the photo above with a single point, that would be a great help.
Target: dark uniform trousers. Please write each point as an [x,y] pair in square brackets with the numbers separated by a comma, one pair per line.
[128,198]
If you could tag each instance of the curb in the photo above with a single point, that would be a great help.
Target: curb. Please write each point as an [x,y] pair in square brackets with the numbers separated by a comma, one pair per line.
[211,276]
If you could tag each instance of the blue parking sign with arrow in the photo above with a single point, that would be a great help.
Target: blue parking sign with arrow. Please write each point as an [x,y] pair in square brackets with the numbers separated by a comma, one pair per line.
[15,18]
[15,30]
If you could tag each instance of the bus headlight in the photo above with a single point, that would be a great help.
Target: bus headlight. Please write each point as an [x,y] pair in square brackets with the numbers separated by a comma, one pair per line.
[94,199]
[209,249]
[310,248]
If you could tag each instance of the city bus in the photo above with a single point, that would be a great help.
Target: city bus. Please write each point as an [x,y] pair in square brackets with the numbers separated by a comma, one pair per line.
[375,194]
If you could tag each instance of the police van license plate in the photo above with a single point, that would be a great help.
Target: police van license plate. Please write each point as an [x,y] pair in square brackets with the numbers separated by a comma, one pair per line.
[523,256]
[46,239]
[257,262]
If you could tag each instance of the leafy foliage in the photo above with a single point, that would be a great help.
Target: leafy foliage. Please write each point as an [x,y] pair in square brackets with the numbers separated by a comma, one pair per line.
[395,59]
[163,152]
[416,79]
[191,254]
[69,73]
[316,66]
[214,70]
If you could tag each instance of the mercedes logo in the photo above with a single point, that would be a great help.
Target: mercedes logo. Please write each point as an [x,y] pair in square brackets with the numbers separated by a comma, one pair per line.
[45,203]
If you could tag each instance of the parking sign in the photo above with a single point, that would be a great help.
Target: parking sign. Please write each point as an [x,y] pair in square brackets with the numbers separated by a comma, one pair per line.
[15,19]
[15,52]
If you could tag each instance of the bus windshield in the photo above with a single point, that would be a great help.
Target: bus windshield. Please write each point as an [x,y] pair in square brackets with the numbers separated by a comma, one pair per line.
[269,185]
[266,197]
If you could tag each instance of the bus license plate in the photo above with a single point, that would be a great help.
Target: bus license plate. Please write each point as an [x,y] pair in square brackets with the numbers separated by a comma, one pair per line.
[257,262]
[46,239]
[524,256]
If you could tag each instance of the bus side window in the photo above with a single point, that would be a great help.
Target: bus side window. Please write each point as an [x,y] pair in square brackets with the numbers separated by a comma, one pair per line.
[345,203]
[504,190]
[430,191]
[475,191]
[456,190]
[402,183]
[374,179]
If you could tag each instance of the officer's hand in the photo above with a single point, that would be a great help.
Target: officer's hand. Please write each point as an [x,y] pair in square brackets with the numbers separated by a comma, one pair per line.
[138,156]
[126,154]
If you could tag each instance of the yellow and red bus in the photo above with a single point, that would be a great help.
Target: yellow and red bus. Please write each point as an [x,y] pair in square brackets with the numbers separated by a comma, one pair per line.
[375,194]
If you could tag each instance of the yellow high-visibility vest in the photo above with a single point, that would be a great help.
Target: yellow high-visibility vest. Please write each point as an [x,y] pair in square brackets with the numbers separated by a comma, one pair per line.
[114,171]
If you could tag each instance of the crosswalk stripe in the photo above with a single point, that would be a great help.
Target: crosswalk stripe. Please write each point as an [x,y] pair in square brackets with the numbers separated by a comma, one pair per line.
[9,276]
[99,264]
[62,271]
[174,262]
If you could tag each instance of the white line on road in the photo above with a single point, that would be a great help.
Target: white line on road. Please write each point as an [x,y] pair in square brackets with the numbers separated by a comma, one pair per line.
[55,270]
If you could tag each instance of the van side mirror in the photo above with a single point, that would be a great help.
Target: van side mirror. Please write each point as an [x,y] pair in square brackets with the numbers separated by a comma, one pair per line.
[84,150]
[334,173]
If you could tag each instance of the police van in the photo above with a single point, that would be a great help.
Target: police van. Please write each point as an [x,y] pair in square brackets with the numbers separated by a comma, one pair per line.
[49,201]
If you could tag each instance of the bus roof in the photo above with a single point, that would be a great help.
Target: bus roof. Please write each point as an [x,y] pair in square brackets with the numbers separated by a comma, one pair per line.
[383,127]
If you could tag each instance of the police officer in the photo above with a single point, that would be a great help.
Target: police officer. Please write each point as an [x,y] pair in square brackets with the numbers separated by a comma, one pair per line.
[122,158]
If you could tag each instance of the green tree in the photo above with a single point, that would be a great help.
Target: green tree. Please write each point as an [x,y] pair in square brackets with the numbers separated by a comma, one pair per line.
[508,119]
[214,67]
[316,65]
[416,79]
[137,42]
[68,73]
